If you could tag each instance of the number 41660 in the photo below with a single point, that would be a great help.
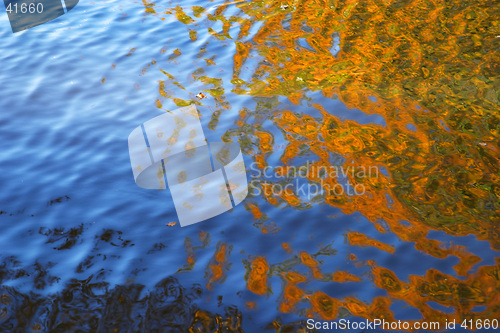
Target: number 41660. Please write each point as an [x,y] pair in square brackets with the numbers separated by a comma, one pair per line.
[25,8]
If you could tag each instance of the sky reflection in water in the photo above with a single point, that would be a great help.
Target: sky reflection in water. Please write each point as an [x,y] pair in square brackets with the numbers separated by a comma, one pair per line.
[410,88]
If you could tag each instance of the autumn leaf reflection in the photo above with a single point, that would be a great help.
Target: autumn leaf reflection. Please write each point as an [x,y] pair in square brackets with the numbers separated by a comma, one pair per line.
[430,69]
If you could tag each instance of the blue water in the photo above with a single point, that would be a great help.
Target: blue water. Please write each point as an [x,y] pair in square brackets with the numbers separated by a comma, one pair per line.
[72,91]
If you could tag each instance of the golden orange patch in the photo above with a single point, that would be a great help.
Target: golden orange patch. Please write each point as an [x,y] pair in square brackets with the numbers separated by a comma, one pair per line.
[257,278]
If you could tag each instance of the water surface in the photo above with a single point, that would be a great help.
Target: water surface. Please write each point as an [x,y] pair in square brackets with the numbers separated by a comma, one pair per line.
[408,88]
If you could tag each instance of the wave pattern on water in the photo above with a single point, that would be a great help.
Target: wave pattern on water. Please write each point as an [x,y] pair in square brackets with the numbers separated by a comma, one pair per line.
[407,88]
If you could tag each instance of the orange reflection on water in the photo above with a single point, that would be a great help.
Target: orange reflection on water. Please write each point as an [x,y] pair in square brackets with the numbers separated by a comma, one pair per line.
[291,293]
[218,265]
[359,239]
[312,264]
[257,278]
[430,70]
[342,276]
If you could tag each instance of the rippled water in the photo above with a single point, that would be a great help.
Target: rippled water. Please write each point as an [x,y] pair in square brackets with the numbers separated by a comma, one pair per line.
[410,88]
